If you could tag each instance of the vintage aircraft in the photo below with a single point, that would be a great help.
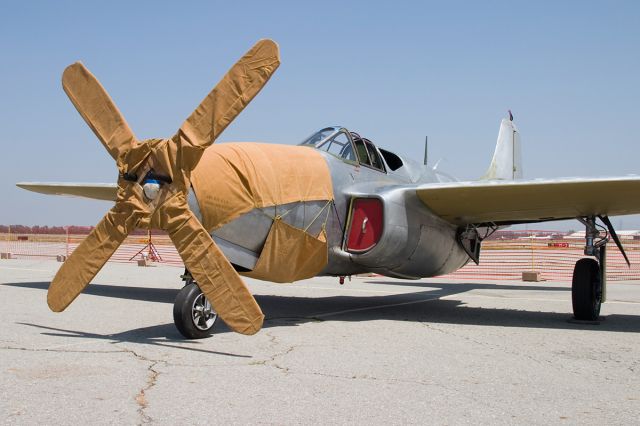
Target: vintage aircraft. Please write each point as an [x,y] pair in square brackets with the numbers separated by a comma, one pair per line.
[334,205]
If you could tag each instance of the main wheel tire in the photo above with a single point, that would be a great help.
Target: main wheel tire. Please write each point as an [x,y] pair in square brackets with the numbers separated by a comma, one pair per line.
[192,313]
[586,290]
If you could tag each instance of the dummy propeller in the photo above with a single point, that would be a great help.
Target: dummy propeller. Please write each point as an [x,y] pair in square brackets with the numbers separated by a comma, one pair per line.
[154,177]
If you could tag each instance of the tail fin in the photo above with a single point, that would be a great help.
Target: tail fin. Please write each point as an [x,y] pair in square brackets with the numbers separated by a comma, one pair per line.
[507,161]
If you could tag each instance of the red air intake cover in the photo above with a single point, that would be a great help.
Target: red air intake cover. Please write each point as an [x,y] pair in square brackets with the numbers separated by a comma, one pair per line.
[365,229]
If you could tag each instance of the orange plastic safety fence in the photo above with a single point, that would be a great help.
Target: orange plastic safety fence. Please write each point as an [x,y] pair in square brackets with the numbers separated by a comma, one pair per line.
[51,246]
[500,259]
[554,259]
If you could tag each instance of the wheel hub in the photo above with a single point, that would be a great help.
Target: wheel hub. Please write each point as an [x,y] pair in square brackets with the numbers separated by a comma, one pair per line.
[202,313]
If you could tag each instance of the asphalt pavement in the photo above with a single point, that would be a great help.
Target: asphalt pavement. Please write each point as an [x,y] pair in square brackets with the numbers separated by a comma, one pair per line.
[374,350]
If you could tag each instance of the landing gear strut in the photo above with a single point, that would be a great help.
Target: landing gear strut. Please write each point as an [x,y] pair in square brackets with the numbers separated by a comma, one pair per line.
[193,315]
[588,289]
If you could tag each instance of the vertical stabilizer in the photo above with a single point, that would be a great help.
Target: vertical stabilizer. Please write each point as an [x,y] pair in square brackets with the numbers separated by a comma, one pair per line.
[507,161]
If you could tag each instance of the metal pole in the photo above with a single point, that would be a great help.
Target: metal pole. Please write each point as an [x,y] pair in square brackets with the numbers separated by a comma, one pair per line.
[149,252]
[603,272]
[533,263]
[426,145]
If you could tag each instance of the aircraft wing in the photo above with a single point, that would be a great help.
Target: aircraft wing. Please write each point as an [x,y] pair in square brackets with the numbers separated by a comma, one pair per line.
[522,201]
[96,191]
[461,203]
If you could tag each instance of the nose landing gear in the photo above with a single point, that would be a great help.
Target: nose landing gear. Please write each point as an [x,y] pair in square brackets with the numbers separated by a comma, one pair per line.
[193,315]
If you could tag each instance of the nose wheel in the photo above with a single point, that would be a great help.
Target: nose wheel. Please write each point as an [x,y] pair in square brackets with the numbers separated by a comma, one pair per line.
[193,315]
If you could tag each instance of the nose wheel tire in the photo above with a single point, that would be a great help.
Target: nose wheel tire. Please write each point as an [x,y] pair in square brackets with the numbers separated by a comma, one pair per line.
[193,315]
[586,290]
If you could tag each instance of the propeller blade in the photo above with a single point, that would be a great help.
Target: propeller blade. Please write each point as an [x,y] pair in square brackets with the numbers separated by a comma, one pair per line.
[614,235]
[98,110]
[215,276]
[230,96]
[90,256]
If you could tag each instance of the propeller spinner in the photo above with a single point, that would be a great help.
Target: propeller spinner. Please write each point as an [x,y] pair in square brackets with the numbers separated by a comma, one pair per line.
[154,177]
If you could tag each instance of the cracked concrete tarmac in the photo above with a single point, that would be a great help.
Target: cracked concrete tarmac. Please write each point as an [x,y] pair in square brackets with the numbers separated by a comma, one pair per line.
[372,351]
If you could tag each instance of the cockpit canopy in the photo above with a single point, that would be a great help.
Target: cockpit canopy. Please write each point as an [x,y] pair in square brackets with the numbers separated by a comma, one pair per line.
[351,148]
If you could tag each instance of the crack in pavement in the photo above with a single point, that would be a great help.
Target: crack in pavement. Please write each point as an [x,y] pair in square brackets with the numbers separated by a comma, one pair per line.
[504,349]
[271,361]
[545,363]
[374,378]
[141,397]
[152,379]
[285,370]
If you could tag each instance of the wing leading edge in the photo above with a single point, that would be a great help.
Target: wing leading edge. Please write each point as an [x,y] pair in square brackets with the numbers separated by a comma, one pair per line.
[95,191]
[510,202]
[461,203]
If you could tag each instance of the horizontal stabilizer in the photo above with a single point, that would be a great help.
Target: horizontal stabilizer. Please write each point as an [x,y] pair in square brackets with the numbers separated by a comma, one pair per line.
[510,202]
[95,191]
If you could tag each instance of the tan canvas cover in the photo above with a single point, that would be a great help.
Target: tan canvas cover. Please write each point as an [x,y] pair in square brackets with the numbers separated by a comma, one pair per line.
[290,254]
[172,160]
[234,178]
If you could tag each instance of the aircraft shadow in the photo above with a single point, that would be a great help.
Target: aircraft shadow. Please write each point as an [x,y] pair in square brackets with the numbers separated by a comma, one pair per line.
[288,311]
[421,306]
[470,286]
[156,335]
[160,295]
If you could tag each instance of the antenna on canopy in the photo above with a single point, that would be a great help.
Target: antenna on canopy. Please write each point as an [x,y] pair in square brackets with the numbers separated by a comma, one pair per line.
[426,145]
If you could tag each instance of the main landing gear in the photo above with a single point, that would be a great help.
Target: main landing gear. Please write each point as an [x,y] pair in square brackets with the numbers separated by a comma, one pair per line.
[589,286]
[193,315]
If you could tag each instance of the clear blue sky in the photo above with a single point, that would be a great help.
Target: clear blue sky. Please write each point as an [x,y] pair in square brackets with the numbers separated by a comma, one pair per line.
[394,72]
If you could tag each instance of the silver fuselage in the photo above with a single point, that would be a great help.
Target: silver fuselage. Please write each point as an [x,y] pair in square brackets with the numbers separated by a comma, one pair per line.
[414,242]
